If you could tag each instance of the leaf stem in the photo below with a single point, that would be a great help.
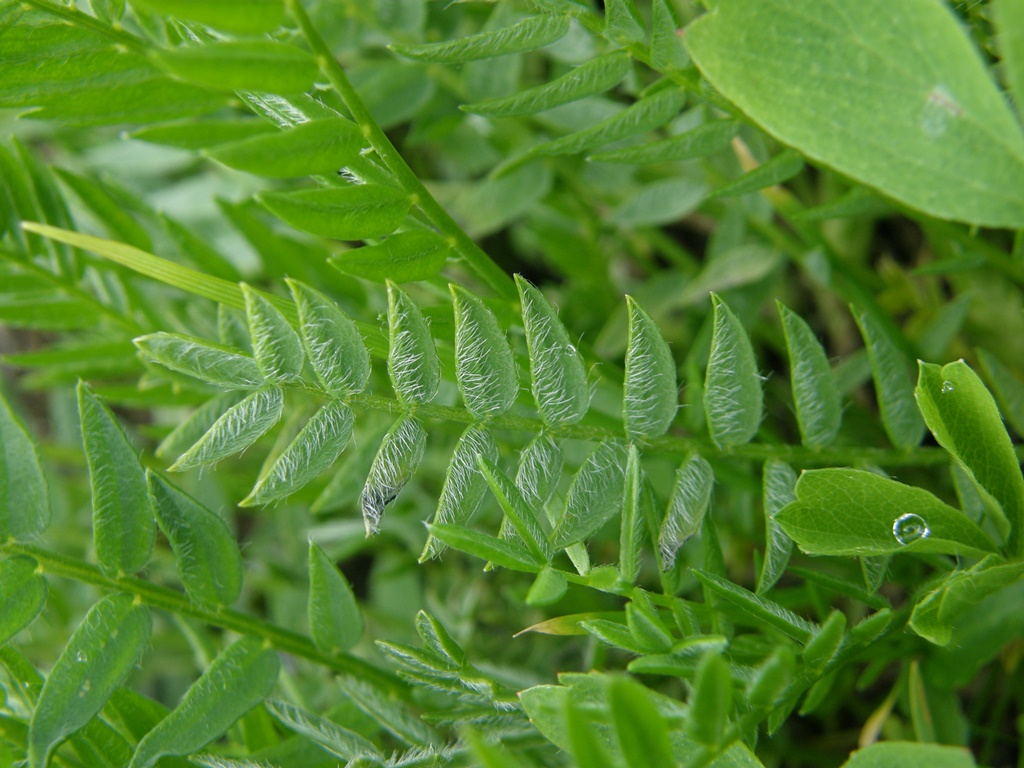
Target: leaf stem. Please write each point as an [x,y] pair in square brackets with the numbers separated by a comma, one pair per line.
[471,253]
[170,600]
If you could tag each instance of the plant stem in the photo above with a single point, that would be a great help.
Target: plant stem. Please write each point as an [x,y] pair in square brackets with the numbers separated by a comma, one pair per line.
[471,253]
[175,602]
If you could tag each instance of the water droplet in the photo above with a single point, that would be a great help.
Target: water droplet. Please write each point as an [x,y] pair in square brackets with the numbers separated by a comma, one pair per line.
[910,527]
[947,387]
[80,656]
[570,349]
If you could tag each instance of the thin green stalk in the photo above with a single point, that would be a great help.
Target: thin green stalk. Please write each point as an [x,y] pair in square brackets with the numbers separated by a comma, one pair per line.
[178,603]
[470,252]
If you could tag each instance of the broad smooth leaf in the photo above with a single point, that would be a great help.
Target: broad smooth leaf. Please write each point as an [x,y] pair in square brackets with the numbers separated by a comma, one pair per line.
[333,344]
[24,499]
[650,394]
[691,497]
[356,212]
[103,650]
[404,257]
[413,364]
[819,411]
[701,141]
[907,754]
[22,594]
[483,360]
[122,518]
[902,103]
[852,512]
[239,427]
[251,17]
[318,146]
[256,65]
[335,621]
[200,134]
[397,458]
[207,554]
[733,400]
[464,484]
[962,415]
[594,496]
[314,449]
[276,346]
[556,367]
[201,359]
[241,677]
[894,389]
[527,35]
[595,76]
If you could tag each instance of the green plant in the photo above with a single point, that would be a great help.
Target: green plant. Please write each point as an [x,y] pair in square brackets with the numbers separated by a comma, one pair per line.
[358,366]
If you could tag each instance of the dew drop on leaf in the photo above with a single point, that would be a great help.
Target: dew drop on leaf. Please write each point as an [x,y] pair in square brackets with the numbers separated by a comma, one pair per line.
[947,387]
[910,527]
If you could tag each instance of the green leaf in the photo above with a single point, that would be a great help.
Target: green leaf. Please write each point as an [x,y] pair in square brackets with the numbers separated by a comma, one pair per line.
[527,35]
[239,427]
[106,646]
[595,76]
[185,435]
[24,499]
[650,391]
[667,51]
[258,65]
[540,469]
[826,642]
[413,364]
[490,548]
[962,415]
[252,17]
[704,140]
[276,346]
[22,594]
[339,741]
[483,360]
[906,754]
[851,512]
[643,115]
[643,733]
[391,714]
[771,679]
[1006,387]
[634,522]
[204,360]
[464,484]
[691,497]
[399,455]
[780,168]
[548,588]
[333,344]
[733,400]
[346,213]
[556,367]
[200,134]
[894,389]
[921,119]
[819,410]
[936,615]
[710,701]
[594,496]
[122,517]
[335,621]
[403,258]
[315,147]
[1008,16]
[660,202]
[240,678]
[317,446]
[764,611]
[107,209]
[623,22]
[779,481]
[522,517]
[207,555]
